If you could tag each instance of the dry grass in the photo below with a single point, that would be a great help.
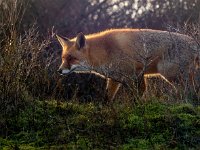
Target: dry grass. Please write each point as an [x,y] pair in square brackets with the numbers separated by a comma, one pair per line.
[23,63]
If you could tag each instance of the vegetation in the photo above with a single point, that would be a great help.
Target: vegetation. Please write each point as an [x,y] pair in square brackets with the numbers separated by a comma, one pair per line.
[41,110]
[72,125]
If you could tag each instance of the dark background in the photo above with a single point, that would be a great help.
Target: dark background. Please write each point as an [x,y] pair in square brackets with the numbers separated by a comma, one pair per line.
[71,16]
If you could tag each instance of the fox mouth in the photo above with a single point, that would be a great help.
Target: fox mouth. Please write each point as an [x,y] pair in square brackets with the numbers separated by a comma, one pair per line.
[74,68]
[66,71]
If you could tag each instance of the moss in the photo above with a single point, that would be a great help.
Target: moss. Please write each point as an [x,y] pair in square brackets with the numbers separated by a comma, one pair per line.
[70,125]
[183,108]
[136,144]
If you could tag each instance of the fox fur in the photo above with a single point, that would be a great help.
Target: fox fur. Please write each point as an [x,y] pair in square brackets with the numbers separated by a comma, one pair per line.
[120,54]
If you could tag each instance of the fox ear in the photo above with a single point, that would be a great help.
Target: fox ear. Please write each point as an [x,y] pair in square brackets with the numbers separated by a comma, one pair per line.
[80,41]
[63,41]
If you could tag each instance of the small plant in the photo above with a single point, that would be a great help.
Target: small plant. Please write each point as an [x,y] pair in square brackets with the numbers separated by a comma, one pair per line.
[23,66]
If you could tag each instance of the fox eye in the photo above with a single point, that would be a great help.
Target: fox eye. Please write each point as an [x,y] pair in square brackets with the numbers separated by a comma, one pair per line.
[71,58]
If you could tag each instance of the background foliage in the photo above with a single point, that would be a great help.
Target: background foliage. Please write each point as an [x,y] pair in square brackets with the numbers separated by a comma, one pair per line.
[72,16]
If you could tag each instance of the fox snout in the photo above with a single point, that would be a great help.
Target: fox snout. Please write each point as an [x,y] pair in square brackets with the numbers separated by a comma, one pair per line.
[63,71]
[73,68]
[66,70]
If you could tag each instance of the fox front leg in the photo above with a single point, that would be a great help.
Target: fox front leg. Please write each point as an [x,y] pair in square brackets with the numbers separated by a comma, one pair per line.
[111,89]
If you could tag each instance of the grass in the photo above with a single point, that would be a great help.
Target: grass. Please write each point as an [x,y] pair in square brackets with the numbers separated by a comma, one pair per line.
[71,125]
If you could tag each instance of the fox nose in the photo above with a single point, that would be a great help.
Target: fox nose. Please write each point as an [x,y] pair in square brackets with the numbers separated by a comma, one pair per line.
[59,71]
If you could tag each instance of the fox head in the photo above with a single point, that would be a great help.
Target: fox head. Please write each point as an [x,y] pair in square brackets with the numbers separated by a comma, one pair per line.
[73,54]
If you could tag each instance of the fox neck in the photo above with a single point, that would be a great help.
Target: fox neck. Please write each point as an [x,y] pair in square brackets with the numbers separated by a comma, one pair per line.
[97,53]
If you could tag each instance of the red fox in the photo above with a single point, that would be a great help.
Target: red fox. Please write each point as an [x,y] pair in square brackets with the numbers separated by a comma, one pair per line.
[122,53]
